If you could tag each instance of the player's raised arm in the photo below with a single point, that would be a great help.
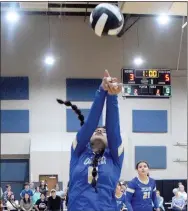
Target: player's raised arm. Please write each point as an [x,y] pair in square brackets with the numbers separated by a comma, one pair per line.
[86,131]
[88,127]
[113,125]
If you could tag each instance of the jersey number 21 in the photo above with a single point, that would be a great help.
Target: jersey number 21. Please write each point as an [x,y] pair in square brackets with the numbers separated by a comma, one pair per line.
[146,195]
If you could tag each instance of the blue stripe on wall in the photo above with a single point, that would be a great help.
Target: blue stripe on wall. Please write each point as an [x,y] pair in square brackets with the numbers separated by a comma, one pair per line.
[14,121]
[149,121]
[154,155]
[14,88]
[14,170]
[82,89]
[73,124]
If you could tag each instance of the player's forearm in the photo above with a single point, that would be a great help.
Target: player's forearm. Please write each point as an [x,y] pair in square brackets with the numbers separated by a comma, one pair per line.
[113,125]
[85,133]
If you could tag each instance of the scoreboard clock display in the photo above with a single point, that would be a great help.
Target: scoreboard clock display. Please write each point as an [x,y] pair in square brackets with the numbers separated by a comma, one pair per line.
[146,83]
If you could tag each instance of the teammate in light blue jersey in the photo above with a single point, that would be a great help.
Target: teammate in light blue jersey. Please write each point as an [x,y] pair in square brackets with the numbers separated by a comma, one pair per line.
[141,190]
[96,153]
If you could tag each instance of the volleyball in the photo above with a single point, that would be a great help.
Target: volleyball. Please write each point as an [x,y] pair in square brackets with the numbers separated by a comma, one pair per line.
[106,19]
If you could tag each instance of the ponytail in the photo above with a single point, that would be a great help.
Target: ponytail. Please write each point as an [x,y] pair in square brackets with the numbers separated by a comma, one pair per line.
[74,108]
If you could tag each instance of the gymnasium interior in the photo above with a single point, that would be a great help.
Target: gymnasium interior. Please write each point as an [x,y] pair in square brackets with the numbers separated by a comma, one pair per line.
[49,50]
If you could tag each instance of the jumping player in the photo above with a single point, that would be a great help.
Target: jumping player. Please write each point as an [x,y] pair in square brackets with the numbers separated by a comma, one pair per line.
[141,190]
[96,153]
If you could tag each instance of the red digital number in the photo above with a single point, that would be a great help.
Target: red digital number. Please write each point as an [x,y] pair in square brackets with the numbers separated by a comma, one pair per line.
[131,77]
[167,77]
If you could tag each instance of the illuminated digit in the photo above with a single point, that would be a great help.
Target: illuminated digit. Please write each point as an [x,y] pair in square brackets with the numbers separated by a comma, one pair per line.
[155,74]
[151,74]
[167,78]
[144,73]
[131,77]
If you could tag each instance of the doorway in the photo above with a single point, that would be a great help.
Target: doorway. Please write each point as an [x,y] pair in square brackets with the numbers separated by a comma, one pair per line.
[51,181]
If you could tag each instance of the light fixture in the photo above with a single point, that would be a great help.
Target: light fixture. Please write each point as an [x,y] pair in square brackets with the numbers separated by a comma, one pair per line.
[12,16]
[184,25]
[163,19]
[49,60]
[138,61]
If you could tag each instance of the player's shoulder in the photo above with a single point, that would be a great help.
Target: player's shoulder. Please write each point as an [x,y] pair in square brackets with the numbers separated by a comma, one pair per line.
[133,182]
[151,180]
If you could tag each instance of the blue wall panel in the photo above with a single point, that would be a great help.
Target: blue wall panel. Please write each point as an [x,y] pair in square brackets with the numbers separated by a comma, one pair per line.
[149,121]
[156,156]
[14,170]
[73,124]
[14,121]
[14,88]
[82,89]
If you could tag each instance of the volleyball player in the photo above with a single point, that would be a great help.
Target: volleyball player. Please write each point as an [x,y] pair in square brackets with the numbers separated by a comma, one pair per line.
[141,190]
[97,153]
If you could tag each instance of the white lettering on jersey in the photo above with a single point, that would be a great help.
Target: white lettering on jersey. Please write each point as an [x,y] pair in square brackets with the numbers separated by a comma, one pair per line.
[89,161]
[144,189]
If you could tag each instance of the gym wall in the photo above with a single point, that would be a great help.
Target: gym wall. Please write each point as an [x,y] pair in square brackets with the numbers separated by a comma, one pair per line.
[81,54]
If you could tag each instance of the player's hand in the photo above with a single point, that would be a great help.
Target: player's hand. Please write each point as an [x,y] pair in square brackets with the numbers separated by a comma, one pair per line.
[111,84]
[158,209]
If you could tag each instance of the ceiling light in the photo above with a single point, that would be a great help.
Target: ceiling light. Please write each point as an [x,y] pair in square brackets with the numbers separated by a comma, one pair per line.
[163,19]
[49,60]
[138,61]
[12,16]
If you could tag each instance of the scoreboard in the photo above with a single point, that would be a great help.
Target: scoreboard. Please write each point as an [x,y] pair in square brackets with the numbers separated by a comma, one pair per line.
[146,83]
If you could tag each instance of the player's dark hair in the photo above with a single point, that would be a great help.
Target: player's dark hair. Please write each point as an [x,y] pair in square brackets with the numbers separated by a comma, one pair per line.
[96,159]
[74,108]
[142,161]
[119,183]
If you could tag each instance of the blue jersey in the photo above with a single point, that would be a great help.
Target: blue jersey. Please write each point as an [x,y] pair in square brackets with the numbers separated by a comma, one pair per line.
[140,196]
[121,202]
[29,192]
[82,196]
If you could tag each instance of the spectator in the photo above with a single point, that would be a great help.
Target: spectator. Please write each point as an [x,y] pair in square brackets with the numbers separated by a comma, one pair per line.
[26,203]
[26,190]
[54,201]
[36,195]
[12,204]
[160,200]
[179,183]
[32,187]
[7,194]
[41,204]
[43,187]
[182,192]
[178,203]
[60,193]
